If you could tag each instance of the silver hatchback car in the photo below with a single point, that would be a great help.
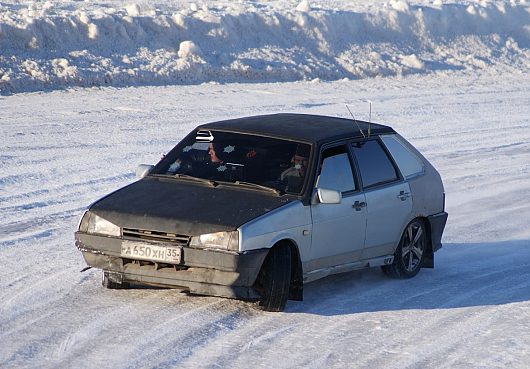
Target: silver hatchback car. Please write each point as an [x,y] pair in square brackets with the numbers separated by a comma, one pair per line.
[253,208]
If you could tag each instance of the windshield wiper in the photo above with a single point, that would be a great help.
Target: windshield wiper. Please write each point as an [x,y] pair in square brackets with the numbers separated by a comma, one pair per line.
[197,179]
[210,182]
[261,187]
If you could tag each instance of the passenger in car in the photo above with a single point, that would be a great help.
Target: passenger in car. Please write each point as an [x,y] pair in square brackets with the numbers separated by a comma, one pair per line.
[212,151]
[222,164]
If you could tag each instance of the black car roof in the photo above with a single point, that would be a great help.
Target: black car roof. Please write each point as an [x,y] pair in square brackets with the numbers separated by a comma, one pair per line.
[299,127]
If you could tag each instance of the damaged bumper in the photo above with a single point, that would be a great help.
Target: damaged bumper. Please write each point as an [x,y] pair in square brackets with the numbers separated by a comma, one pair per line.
[204,272]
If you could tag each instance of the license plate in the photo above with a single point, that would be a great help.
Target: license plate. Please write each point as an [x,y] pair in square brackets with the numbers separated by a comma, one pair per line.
[145,251]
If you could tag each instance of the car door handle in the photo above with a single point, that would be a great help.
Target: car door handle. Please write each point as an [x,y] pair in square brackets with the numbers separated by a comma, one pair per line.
[358,205]
[403,195]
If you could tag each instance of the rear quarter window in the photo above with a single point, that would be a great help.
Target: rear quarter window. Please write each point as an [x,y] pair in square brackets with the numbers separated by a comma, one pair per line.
[409,164]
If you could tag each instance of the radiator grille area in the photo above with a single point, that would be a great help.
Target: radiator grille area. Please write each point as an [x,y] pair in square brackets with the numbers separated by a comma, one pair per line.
[144,234]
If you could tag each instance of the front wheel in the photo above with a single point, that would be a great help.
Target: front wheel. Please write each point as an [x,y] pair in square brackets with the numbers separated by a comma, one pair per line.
[410,253]
[274,279]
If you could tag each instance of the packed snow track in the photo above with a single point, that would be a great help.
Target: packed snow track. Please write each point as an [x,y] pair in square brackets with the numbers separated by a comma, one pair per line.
[62,150]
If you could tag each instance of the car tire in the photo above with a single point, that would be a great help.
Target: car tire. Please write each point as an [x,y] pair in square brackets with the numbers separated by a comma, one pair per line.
[274,279]
[410,253]
[107,282]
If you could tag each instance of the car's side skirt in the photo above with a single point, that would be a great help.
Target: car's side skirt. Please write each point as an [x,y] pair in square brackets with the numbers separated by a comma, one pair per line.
[343,268]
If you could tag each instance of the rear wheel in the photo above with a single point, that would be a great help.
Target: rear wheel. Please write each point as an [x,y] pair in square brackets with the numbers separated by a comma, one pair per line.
[410,253]
[274,279]
[111,282]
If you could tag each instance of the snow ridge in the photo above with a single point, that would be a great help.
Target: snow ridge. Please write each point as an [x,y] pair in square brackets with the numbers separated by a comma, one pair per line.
[51,45]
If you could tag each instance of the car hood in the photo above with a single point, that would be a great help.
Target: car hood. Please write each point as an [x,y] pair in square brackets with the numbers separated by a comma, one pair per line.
[184,207]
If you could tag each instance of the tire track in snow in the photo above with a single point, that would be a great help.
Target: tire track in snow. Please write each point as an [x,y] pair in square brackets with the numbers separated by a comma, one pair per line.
[35,219]
[54,197]
[266,338]
[459,329]
[23,324]
[26,299]
[69,187]
[38,229]
[167,336]
[188,336]
[258,334]
[111,320]
[403,338]
[73,350]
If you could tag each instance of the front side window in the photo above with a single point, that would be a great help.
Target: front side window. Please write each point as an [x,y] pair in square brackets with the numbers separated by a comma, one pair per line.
[239,158]
[336,173]
[374,164]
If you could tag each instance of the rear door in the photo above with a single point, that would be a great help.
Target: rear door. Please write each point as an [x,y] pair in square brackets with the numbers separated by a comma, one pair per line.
[388,198]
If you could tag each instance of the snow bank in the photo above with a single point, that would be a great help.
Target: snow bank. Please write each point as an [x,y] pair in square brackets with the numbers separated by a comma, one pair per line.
[47,45]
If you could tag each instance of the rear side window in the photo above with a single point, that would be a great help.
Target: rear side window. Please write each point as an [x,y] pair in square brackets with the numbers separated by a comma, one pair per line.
[409,164]
[374,164]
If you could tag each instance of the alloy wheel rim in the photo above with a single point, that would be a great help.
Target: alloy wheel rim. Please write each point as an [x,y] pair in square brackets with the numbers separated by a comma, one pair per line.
[413,246]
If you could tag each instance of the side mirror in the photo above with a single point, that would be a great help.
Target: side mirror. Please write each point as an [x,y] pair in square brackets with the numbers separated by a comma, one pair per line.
[143,170]
[327,196]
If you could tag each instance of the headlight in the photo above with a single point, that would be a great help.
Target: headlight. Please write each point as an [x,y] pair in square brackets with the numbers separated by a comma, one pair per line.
[92,223]
[218,240]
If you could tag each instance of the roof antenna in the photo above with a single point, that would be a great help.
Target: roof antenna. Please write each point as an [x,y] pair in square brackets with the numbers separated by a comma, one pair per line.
[357,123]
[370,120]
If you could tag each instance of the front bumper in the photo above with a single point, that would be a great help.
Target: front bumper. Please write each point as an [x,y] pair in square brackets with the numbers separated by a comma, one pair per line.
[204,272]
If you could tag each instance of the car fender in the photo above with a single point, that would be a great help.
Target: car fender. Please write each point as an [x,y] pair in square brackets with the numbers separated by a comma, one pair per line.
[290,222]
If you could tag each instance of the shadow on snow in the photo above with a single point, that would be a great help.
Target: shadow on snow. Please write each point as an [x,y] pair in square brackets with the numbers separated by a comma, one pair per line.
[465,275]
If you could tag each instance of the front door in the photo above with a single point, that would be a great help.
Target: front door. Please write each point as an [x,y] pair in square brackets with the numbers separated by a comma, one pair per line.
[338,229]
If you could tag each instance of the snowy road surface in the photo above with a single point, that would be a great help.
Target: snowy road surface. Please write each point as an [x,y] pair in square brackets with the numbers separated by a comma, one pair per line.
[60,151]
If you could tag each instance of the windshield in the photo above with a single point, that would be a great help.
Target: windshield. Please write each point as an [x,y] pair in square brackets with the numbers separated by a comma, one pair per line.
[239,158]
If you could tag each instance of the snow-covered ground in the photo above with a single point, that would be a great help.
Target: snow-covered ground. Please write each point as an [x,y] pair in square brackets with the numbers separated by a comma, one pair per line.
[56,44]
[452,77]
[61,150]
